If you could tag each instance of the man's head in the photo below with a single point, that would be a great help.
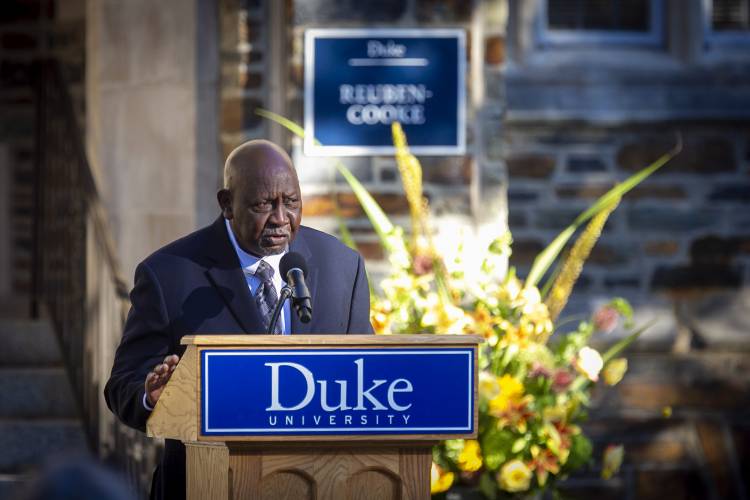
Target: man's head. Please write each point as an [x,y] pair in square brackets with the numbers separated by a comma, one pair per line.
[261,197]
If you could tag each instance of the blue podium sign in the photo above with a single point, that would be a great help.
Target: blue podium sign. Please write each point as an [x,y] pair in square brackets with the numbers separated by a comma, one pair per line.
[337,391]
[358,82]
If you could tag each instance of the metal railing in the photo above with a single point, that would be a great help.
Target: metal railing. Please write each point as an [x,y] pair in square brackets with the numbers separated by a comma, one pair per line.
[76,278]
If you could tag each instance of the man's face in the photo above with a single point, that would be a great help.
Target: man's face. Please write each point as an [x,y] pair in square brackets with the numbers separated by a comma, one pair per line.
[264,207]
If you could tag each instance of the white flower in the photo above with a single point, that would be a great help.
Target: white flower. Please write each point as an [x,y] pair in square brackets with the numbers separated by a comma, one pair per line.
[589,362]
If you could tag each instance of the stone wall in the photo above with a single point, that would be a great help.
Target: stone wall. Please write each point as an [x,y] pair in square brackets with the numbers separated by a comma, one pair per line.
[467,190]
[29,30]
[681,237]
[152,137]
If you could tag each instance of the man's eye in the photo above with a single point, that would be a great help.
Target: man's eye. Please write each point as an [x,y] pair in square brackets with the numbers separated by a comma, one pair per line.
[291,202]
[261,206]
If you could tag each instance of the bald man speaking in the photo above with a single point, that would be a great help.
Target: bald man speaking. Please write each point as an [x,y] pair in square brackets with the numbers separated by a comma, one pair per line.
[225,279]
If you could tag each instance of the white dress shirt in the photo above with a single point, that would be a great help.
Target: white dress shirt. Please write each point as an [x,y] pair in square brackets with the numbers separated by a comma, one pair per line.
[249,264]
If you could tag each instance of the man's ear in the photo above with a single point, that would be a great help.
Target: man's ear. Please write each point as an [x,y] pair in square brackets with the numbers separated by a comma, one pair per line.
[225,202]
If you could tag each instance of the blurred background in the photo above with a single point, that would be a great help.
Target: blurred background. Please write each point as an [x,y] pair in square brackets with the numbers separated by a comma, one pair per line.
[116,118]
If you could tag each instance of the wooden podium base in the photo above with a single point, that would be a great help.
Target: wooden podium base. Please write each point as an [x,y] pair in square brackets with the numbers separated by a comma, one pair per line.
[319,471]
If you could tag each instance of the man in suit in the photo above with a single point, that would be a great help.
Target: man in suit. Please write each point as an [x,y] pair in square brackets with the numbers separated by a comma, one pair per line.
[217,280]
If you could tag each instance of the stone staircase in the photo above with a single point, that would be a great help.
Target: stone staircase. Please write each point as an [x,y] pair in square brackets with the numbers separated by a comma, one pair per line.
[38,415]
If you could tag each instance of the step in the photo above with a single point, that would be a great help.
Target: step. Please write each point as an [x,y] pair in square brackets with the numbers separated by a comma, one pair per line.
[36,393]
[29,442]
[11,484]
[28,342]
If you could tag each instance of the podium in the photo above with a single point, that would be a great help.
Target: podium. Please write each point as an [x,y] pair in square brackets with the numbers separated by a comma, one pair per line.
[317,416]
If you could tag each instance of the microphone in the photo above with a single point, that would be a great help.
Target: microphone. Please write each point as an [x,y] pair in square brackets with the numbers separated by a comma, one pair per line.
[294,268]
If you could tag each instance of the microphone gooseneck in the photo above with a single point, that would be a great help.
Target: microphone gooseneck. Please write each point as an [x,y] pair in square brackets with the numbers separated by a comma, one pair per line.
[294,268]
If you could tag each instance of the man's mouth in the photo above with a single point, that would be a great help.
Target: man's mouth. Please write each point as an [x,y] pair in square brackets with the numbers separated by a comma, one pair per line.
[275,239]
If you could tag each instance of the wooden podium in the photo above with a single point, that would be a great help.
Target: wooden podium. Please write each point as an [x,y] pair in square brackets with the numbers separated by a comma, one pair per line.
[317,462]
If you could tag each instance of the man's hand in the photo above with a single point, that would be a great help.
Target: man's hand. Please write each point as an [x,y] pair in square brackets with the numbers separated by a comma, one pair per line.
[158,378]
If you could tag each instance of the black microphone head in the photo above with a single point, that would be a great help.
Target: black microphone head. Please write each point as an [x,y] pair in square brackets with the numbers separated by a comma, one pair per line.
[291,260]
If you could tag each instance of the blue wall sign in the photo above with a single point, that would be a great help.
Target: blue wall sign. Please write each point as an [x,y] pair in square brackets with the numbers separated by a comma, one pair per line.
[357,82]
[337,391]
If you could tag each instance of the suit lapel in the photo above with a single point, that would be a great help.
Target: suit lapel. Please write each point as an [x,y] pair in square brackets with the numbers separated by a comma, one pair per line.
[229,281]
[300,246]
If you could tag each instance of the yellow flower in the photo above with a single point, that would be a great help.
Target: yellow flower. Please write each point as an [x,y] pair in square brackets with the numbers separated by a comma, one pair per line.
[514,476]
[439,479]
[615,370]
[489,387]
[470,459]
[612,460]
[589,363]
[511,391]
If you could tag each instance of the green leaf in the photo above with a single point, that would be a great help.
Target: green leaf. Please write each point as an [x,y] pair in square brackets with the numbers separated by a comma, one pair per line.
[547,256]
[487,486]
[621,345]
[284,122]
[580,452]
[518,445]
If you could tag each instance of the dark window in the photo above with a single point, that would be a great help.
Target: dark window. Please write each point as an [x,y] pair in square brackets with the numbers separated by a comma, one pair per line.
[599,15]
[730,15]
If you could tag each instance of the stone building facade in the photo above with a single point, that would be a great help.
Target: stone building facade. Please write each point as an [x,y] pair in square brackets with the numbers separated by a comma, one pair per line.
[559,109]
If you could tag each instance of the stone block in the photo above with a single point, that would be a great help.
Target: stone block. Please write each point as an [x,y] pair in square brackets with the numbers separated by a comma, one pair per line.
[516,220]
[525,251]
[443,11]
[533,166]
[520,195]
[737,192]
[26,443]
[740,435]
[612,254]
[27,342]
[695,395]
[582,191]
[705,155]
[720,320]
[249,79]
[391,203]
[656,191]
[578,164]
[695,277]
[16,74]
[371,250]
[672,220]
[18,40]
[661,248]
[348,11]
[450,170]
[494,49]
[622,281]
[31,11]
[238,113]
[361,167]
[320,205]
[715,250]
[684,484]
[717,460]
[35,393]
[555,217]
[449,202]
[389,174]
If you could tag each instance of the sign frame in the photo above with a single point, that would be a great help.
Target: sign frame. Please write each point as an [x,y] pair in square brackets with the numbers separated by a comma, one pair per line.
[312,148]
[206,432]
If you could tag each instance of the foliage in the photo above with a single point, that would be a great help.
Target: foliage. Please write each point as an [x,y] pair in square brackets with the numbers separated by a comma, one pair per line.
[533,392]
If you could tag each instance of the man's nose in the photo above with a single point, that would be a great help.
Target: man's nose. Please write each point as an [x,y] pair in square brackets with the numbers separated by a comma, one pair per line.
[278,216]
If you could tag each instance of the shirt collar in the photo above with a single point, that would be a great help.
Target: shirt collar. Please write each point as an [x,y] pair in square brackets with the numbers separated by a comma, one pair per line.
[248,262]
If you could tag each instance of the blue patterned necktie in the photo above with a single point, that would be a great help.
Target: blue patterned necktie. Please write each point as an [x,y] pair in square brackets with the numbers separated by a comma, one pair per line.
[265,296]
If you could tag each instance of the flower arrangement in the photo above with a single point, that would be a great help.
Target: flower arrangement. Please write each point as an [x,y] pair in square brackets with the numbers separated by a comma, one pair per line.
[534,385]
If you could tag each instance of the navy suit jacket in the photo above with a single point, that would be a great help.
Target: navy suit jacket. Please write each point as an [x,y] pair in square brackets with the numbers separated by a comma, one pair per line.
[195,286]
